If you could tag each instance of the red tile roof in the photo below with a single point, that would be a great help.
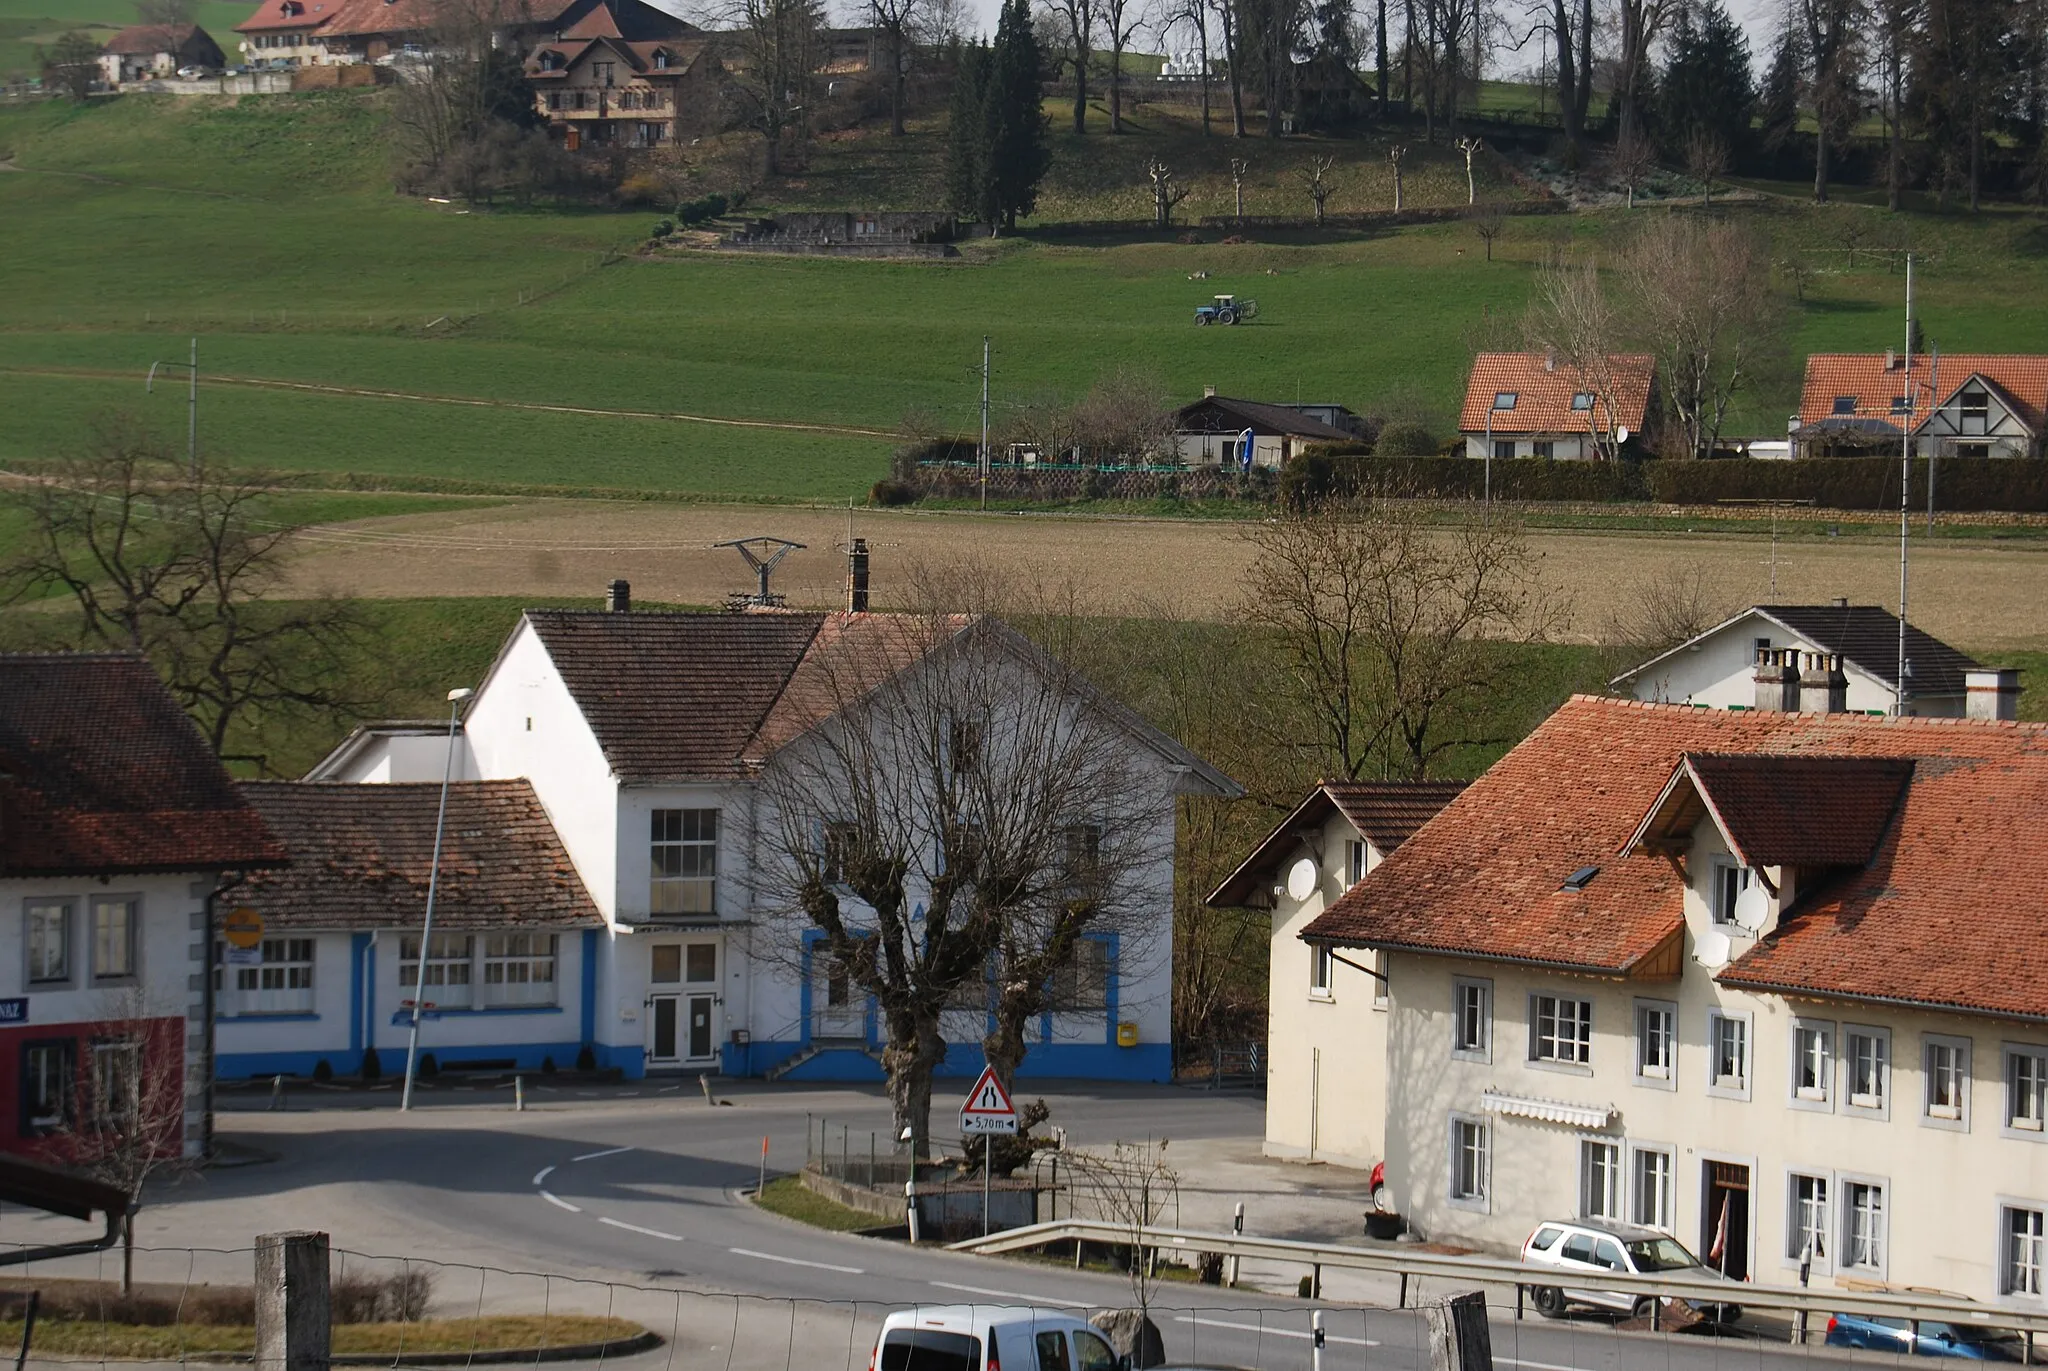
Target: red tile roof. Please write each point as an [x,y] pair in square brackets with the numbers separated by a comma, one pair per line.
[362,856]
[273,15]
[1782,811]
[145,40]
[101,772]
[1864,378]
[1948,912]
[1543,394]
[1385,812]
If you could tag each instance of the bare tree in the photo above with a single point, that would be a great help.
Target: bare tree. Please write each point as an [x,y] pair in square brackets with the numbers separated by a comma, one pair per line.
[72,64]
[1121,20]
[1315,178]
[167,13]
[1127,416]
[1674,605]
[465,117]
[1706,158]
[1573,319]
[1128,1186]
[1078,19]
[179,561]
[1239,168]
[1470,146]
[1833,34]
[1634,156]
[1195,14]
[1388,623]
[1232,30]
[1394,156]
[779,54]
[1166,192]
[1488,222]
[895,21]
[1638,24]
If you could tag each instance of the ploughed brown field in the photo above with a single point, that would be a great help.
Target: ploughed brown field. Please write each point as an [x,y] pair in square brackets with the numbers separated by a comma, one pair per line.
[1988,596]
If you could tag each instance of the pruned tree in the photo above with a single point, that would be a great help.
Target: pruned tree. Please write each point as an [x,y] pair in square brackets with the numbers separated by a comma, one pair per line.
[1389,623]
[1240,167]
[72,65]
[1470,147]
[1706,160]
[180,562]
[1315,179]
[1394,156]
[1634,156]
[1166,192]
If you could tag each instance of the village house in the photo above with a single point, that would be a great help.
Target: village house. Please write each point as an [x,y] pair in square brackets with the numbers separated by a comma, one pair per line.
[1533,404]
[599,88]
[643,741]
[1217,430]
[1965,405]
[1816,649]
[147,52]
[307,33]
[1769,981]
[120,837]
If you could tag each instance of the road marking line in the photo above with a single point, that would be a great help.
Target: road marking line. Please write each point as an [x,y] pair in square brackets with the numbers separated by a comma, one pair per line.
[560,1203]
[593,1156]
[1301,1333]
[1532,1365]
[636,1228]
[541,1175]
[794,1261]
[1001,1294]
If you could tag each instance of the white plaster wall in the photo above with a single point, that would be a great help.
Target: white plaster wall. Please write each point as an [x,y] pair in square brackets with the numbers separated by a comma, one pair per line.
[237,1033]
[169,948]
[448,1035]
[1721,672]
[1564,447]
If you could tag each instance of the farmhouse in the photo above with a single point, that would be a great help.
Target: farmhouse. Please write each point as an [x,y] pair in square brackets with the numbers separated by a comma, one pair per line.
[598,89]
[1533,404]
[1217,430]
[143,52]
[351,32]
[1965,405]
[623,911]
[120,834]
[1767,974]
[1818,652]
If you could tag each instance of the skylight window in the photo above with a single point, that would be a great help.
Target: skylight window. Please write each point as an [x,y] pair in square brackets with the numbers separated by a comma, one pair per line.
[1581,878]
[1505,399]
[1902,404]
[1845,404]
[1582,401]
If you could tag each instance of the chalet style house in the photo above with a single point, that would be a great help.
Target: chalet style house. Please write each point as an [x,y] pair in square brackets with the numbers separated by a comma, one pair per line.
[1965,405]
[146,52]
[1531,404]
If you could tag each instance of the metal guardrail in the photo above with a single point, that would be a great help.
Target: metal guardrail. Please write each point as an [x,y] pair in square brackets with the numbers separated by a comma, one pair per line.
[1315,1256]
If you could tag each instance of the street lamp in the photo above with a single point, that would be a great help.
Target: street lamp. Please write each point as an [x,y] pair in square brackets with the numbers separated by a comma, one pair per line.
[191,402]
[419,991]
[1497,408]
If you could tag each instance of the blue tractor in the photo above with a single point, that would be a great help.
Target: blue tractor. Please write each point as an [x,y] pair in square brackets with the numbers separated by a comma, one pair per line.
[1228,309]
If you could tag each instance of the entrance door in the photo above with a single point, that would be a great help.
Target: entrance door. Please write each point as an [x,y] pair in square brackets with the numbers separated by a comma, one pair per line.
[663,1048]
[1724,1219]
[700,1027]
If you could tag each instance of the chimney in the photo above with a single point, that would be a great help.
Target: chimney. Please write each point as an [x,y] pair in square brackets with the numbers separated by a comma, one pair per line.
[1994,693]
[1891,359]
[618,598]
[1823,687]
[1208,392]
[1549,360]
[1777,678]
[857,577]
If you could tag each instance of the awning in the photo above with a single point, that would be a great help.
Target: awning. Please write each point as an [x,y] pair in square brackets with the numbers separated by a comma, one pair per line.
[1549,1111]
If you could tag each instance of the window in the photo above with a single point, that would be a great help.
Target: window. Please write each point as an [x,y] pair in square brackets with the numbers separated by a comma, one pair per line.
[1468,1160]
[554,99]
[603,72]
[1379,981]
[451,978]
[1505,399]
[1652,1181]
[1902,404]
[116,1085]
[661,59]
[842,842]
[1544,448]
[519,969]
[113,940]
[700,963]
[1948,1078]
[1052,1352]
[1354,863]
[1081,857]
[1863,1226]
[1867,1064]
[1976,409]
[665,964]
[1728,1048]
[2021,1234]
[1503,449]
[963,743]
[1806,1217]
[280,982]
[1472,1020]
[1813,1060]
[1656,1041]
[1560,1030]
[1582,401]
[1729,881]
[2026,1088]
[1091,1353]
[1845,404]
[684,852]
[628,100]
[48,1078]
[49,943]
[1973,450]
[1599,1179]
[1321,962]
[1083,983]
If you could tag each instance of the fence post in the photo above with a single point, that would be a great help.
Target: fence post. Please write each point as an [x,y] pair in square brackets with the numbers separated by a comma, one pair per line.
[1236,1230]
[291,1302]
[1458,1337]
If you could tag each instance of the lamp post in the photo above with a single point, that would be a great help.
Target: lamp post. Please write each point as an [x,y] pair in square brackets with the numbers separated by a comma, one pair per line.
[191,402]
[419,992]
[1496,408]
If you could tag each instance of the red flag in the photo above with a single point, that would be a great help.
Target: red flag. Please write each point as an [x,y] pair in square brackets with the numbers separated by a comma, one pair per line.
[1720,1247]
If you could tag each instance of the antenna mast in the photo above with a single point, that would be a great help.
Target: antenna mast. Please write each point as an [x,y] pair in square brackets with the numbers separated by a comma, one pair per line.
[1905,491]
[984,421]
[762,554]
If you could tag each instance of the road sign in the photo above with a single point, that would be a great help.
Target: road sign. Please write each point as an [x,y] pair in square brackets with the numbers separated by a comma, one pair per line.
[988,1108]
[243,927]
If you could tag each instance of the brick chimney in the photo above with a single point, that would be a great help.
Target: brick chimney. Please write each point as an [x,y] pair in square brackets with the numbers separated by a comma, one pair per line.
[1994,693]
[1823,687]
[618,597]
[1208,392]
[1777,678]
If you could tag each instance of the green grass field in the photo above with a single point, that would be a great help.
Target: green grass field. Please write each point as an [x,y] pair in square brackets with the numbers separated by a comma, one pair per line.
[26,25]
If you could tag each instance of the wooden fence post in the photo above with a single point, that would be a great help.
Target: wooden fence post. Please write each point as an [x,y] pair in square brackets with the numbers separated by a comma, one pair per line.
[292,1311]
[1458,1335]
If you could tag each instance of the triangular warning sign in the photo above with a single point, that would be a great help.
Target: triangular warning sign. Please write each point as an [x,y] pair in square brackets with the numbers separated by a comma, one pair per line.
[988,1099]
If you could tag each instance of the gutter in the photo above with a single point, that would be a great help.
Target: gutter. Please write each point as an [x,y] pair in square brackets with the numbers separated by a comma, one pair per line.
[1892,1001]
[1576,968]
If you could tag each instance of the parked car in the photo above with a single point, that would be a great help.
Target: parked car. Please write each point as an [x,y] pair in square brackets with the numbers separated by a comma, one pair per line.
[1883,1333]
[1592,1247]
[984,1337]
[193,73]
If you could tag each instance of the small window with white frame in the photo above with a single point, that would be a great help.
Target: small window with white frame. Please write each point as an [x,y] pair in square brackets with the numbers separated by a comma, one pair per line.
[1656,1056]
[1599,1178]
[1380,978]
[1354,863]
[1946,1067]
[1322,962]
[1728,1054]
[451,978]
[2023,1250]
[2026,1088]
[1650,1184]
[519,969]
[1867,1069]
[1806,1218]
[1728,882]
[279,982]
[1560,1030]
[115,924]
[1472,1020]
[1865,1227]
[1471,1162]
[47,930]
[1813,1063]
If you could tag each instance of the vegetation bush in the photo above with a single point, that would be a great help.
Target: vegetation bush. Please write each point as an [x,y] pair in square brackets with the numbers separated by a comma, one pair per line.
[892,492]
[353,1297]
[641,188]
[1405,439]
[702,210]
[663,228]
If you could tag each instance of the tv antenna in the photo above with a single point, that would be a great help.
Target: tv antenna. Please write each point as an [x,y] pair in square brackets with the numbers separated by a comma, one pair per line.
[763,554]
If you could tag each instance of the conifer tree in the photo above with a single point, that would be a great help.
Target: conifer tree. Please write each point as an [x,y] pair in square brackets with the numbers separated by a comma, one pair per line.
[1779,104]
[966,154]
[1017,146]
[1707,85]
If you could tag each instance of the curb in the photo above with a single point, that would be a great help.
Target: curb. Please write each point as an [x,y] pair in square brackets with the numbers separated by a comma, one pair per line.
[645,1340]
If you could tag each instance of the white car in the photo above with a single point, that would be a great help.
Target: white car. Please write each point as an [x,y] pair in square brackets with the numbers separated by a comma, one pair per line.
[1587,1249]
[989,1337]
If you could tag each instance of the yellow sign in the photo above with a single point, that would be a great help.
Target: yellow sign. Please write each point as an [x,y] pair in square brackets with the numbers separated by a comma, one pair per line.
[242,927]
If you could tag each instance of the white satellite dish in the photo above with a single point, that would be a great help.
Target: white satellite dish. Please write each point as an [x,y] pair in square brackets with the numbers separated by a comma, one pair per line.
[1711,947]
[1301,879]
[1752,905]
[1621,433]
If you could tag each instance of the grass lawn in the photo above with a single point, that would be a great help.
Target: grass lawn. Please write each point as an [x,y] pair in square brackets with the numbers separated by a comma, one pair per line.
[83,1338]
[791,1198]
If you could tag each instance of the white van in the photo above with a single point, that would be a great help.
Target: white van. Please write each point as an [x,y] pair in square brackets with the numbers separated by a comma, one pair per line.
[989,1337]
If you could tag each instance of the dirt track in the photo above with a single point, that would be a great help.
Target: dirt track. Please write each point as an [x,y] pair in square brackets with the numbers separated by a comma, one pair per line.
[1980,595]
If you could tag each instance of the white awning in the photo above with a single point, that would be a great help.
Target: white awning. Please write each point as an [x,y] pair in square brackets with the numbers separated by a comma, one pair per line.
[1549,1111]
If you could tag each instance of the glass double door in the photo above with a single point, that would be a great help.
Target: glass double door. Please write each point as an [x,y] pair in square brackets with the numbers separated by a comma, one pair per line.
[682,1004]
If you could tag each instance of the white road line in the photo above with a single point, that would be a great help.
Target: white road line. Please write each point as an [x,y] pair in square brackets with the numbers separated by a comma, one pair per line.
[636,1228]
[542,1174]
[560,1203]
[1301,1333]
[1533,1365]
[593,1156]
[794,1261]
[1003,1294]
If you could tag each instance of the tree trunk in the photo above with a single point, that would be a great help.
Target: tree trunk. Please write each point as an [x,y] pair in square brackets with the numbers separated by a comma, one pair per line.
[1976,143]
[1383,59]
[1116,83]
[1408,55]
[1233,56]
[1584,99]
[896,81]
[1820,162]
[1004,1045]
[914,1052]
[1080,77]
[1567,82]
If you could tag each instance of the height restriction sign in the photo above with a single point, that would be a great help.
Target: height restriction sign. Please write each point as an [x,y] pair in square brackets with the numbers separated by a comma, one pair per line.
[988,1108]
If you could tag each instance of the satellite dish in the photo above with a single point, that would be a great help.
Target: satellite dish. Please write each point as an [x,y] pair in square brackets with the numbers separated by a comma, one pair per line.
[1301,879]
[1711,947]
[1752,905]
[1621,434]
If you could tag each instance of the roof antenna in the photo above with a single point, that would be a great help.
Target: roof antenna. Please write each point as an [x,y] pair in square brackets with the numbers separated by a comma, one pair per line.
[763,554]
[1905,484]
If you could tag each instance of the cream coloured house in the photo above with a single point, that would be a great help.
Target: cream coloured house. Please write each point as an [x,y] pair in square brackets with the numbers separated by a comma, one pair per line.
[1775,982]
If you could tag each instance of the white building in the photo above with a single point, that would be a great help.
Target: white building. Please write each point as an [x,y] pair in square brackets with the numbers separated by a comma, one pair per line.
[645,739]
[1968,405]
[1686,967]
[1816,649]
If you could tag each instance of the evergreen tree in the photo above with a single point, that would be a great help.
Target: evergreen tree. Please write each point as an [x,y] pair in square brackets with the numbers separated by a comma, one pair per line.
[966,154]
[1016,146]
[1779,103]
[1707,85]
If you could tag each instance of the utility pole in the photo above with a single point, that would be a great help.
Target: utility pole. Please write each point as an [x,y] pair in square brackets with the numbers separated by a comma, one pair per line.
[984,421]
[191,402]
[1905,483]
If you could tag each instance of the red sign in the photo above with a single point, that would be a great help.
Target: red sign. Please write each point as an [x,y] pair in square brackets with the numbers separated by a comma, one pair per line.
[988,1108]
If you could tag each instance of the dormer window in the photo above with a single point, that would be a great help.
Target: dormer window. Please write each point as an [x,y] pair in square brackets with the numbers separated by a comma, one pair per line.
[550,61]
[1728,881]
[660,59]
